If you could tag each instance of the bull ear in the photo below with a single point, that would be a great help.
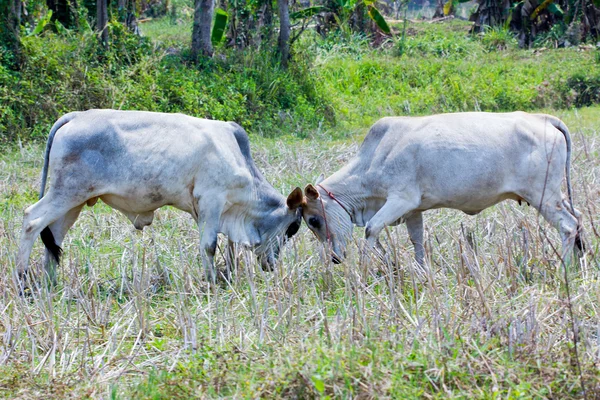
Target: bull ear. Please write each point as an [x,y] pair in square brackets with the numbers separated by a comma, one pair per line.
[320,179]
[295,199]
[311,192]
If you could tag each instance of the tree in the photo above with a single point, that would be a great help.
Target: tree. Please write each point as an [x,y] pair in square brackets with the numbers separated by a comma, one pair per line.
[102,21]
[10,14]
[203,15]
[490,13]
[284,32]
[439,9]
[63,11]
[529,18]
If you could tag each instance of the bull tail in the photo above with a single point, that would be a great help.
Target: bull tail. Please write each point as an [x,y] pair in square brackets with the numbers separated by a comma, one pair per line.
[46,234]
[558,124]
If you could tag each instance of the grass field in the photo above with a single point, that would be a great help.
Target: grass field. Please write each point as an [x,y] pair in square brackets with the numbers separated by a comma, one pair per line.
[132,316]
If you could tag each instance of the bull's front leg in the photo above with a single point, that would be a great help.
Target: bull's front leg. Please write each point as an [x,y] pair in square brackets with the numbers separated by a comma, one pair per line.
[209,216]
[392,211]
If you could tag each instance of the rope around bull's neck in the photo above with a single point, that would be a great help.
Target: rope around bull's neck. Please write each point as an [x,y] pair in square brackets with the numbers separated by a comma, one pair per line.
[332,196]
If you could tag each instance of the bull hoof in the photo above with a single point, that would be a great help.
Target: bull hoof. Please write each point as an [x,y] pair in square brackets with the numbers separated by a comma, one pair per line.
[267,267]
[24,283]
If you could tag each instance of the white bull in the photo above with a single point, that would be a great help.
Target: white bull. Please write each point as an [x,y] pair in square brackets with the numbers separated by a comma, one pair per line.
[465,161]
[137,162]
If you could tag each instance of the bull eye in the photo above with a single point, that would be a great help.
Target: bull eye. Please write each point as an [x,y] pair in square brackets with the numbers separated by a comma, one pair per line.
[292,229]
[314,222]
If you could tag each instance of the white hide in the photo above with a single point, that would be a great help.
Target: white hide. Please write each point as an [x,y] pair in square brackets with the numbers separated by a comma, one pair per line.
[465,161]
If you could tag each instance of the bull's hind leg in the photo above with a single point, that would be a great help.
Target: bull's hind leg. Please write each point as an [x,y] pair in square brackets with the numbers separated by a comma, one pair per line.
[37,217]
[414,225]
[579,243]
[59,229]
[555,212]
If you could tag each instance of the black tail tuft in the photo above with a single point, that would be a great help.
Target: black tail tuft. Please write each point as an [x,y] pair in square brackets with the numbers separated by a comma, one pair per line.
[53,248]
[580,244]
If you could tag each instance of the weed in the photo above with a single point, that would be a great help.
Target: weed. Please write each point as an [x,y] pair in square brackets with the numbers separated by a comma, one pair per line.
[498,38]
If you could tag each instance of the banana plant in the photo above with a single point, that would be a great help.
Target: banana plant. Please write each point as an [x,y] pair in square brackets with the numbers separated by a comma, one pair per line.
[451,5]
[41,24]
[547,4]
[342,9]
[218,29]
[376,16]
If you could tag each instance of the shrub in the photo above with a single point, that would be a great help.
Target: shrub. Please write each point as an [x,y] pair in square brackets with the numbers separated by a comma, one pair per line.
[586,89]
[70,72]
[498,38]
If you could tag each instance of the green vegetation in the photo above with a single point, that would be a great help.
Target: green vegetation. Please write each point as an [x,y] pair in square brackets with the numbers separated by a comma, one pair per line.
[63,75]
[443,69]
[338,80]
[132,316]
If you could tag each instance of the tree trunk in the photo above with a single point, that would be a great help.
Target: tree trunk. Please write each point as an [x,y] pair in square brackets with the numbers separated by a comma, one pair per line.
[102,21]
[265,23]
[62,11]
[284,32]
[439,9]
[591,20]
[490,13]
[10,22]
[203,16]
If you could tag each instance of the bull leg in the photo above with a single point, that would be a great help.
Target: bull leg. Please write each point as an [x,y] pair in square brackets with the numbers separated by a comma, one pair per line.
[59,229]
[559,217]
[392,210]
[37,218]
[414,225]
[230,259]
[579,244]
[210,209]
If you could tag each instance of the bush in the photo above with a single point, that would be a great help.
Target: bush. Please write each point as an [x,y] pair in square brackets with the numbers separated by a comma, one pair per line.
[443,69]
[585,89]
[498,38]
[63,73]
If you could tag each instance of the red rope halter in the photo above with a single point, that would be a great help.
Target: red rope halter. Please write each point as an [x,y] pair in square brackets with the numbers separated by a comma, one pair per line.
[323,208]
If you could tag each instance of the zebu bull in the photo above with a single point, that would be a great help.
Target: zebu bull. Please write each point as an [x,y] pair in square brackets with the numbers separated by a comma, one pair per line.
[465,161]
[137,162]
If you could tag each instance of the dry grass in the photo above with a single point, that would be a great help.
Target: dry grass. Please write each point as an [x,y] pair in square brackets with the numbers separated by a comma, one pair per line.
[132,315]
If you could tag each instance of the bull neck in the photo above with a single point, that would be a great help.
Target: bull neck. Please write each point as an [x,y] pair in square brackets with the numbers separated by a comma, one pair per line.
[346,192]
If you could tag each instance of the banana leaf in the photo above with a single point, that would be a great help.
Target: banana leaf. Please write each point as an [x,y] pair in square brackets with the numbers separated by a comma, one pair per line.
[450,4]
[556,10]
[307,12]
[42,24]
[448,7]
[540,8]
[218,30]
[379,20]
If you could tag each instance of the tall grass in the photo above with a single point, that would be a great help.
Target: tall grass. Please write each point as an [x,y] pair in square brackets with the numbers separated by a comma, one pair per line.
[132,316]
[444,69]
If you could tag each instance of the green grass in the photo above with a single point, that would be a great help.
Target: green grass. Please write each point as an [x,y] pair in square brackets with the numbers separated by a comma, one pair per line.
[341,80]
[132,316]
[443,69]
